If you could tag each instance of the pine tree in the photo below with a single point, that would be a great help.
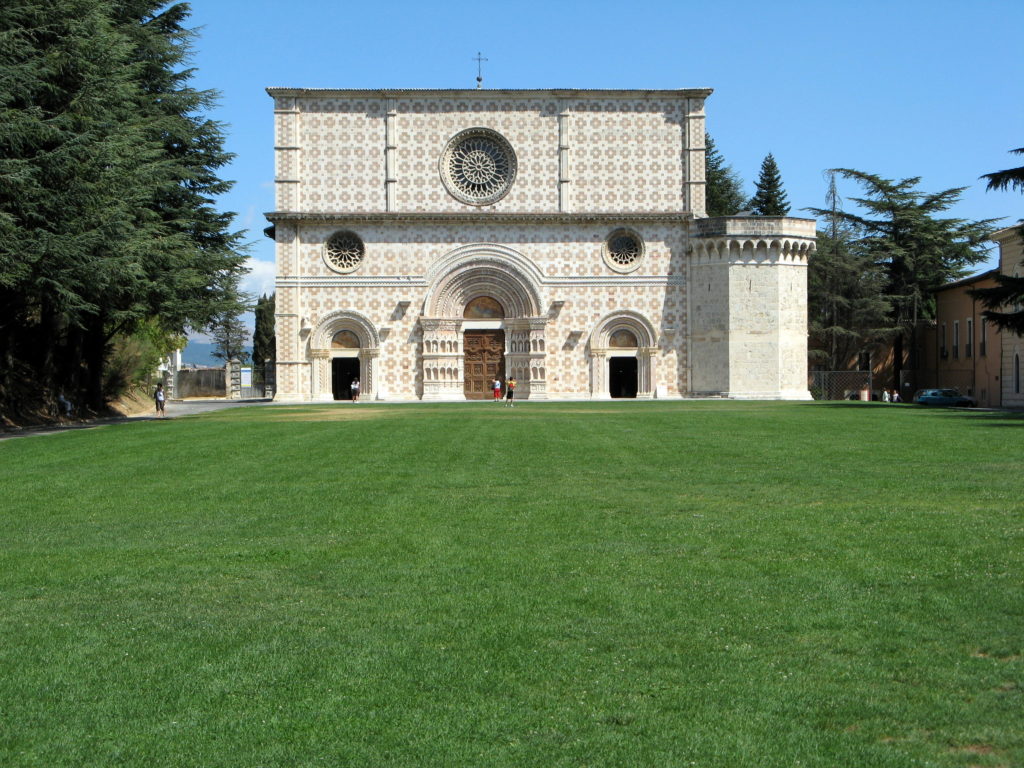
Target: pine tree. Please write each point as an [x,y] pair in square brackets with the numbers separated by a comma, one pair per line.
[229,334]
[1009,290]
[1011,177]
[903,234]
[847,310]
[723,195]
[770,197]
[107,187]
[78,166]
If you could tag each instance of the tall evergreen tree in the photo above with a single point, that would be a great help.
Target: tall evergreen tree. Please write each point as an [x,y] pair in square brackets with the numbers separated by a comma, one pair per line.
[919,251]
[1009,290]
[264,343]
[847,310]
[770,197]
[107,182]
[723,189]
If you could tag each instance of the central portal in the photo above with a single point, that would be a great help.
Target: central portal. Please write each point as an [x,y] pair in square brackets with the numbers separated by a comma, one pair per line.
[484,361]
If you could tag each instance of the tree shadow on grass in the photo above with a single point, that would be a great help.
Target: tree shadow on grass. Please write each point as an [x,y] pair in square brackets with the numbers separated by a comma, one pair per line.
[990,417]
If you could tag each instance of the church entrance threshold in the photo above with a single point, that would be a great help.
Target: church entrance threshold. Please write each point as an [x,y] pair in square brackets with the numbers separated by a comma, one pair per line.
[622,376]
[343,371]
[484,361]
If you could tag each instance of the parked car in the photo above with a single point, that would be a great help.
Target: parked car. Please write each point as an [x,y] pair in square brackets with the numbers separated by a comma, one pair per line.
[944,397]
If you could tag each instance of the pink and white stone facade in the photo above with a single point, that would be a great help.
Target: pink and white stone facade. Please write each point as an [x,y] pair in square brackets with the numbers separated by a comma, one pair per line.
[717,306]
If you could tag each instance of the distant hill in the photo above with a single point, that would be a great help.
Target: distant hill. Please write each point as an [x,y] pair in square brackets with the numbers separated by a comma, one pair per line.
[201,353]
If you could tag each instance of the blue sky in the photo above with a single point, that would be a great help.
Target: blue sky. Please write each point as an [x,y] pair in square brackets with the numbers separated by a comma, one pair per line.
[900,88]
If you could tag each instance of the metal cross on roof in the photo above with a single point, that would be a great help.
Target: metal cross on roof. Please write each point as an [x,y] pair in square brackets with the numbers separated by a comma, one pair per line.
[479,69]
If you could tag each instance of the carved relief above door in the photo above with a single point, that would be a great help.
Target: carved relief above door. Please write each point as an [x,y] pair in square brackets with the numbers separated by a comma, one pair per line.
[484,361]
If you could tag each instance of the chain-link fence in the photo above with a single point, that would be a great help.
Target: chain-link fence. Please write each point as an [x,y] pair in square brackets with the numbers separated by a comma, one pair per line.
[840,385]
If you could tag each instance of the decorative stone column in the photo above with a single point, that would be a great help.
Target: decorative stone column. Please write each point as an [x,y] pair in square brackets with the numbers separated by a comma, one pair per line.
[442,358]
[645,357]
[526,355]
[599,375]
[319,362]
[367,377]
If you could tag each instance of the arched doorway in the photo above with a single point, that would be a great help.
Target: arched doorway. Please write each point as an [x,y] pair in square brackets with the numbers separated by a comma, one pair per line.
[482,319]
[343,347]
[623,371]
[483,348]
[344,364]
[622,354]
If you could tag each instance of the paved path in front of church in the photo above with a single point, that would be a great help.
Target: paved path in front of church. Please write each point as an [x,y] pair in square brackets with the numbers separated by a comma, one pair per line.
[174,409]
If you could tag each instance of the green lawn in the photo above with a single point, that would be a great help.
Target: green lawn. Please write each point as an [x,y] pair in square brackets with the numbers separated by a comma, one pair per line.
[616,584]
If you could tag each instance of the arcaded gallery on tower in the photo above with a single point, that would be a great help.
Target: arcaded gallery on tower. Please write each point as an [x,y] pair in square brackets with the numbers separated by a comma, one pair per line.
[428,241]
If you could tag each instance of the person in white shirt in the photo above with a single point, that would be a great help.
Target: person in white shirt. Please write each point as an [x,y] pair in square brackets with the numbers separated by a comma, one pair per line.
[158,398]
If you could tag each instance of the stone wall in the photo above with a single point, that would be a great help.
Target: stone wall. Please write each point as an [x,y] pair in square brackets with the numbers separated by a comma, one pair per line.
[579,151]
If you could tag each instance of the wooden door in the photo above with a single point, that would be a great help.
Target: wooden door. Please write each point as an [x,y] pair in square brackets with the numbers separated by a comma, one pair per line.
[484,360]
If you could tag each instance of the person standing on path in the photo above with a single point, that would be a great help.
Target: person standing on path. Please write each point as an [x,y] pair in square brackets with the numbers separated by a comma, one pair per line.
[355,390]
[158,398]
[496,387]
[510,392]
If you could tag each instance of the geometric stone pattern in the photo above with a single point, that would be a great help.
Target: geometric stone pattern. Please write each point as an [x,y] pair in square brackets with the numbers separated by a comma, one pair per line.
[714,310]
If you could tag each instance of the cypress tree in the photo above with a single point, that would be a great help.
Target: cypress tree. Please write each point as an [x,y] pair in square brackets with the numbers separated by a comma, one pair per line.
[264,344]
[770,197]
[723,195]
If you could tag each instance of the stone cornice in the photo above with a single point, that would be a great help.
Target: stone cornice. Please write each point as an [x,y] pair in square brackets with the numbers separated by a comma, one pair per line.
[408,281]
[475,217]
[757,227]
[491,93]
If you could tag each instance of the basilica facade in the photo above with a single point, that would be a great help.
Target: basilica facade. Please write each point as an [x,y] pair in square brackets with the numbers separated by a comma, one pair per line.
[430,241]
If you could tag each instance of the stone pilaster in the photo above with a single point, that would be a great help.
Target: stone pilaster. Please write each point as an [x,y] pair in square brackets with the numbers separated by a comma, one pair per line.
[390,148]
[693,150]
[564,203]
[287,154]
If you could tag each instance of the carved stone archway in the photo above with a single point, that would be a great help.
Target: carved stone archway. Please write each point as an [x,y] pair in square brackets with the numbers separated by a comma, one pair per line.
[321,353]
[601,349]
[468,273]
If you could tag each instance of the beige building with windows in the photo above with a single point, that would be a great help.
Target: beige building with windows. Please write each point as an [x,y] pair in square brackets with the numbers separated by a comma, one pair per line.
[970,353]
[1011,262]
[431,241]
[968,349]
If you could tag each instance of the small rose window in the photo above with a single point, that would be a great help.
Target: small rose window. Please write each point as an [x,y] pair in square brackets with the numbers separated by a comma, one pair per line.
[344,251]
[623,250]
